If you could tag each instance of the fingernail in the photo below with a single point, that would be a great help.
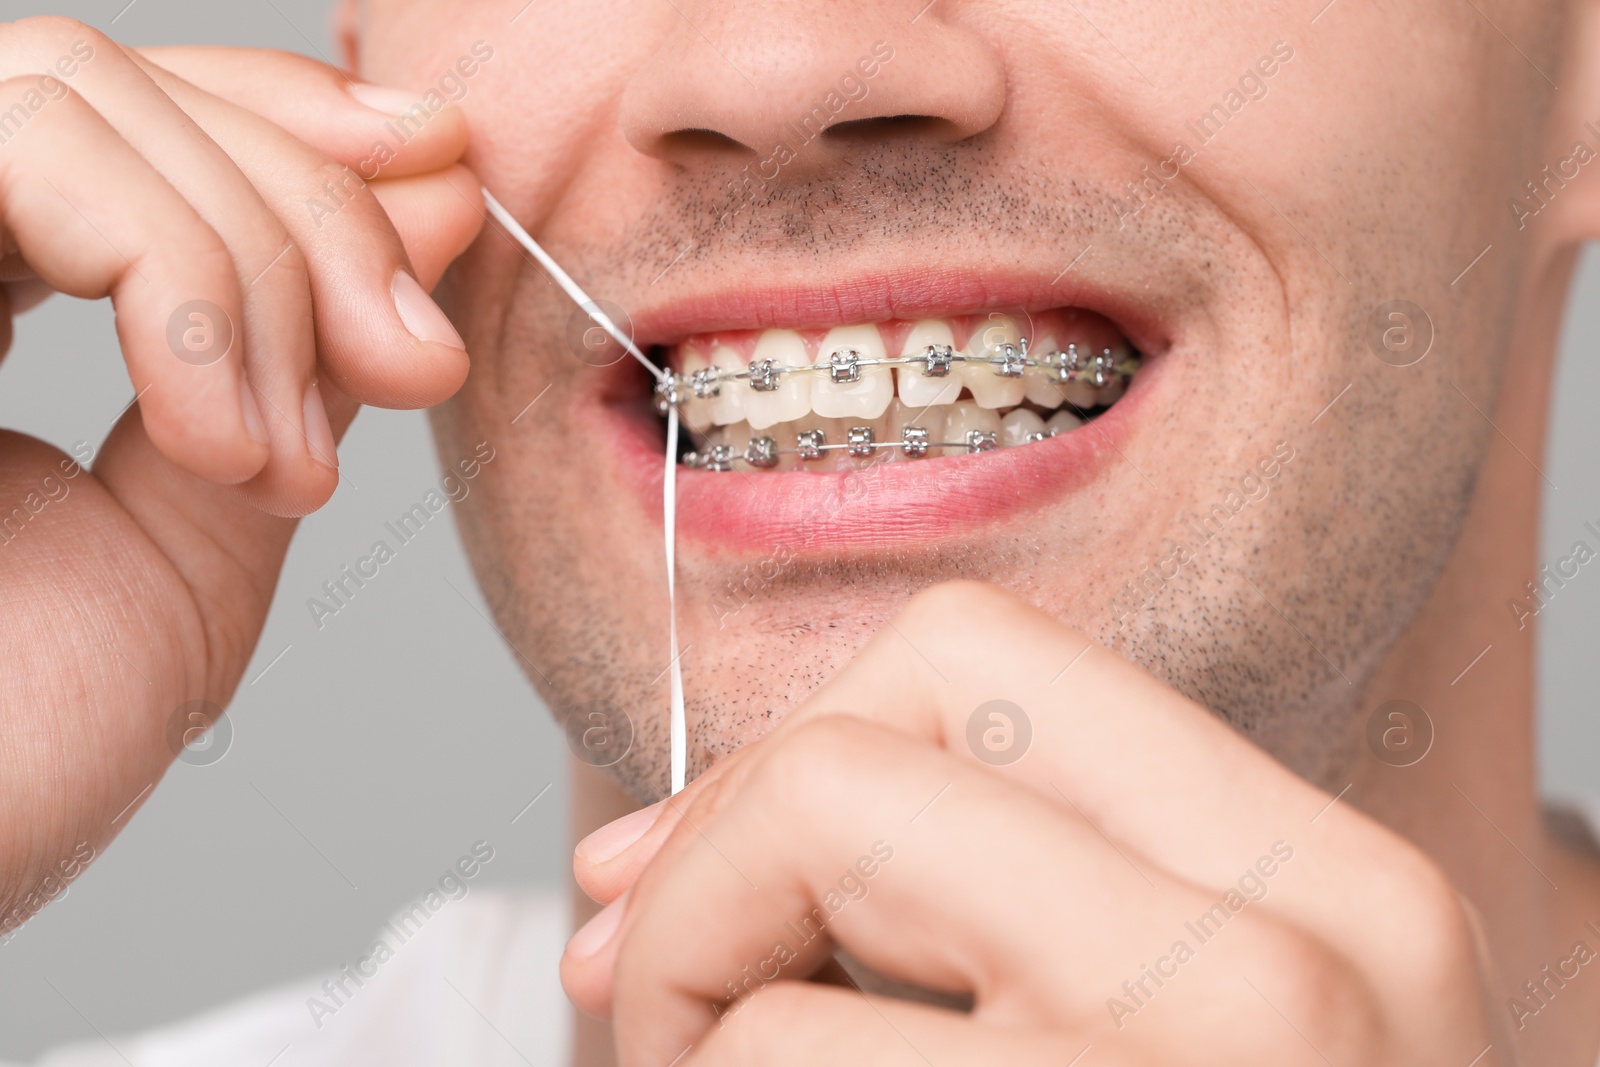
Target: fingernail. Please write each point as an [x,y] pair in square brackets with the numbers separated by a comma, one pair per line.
[253,423]
[319,435]
[594,934]
[382,98]
[420,314]
[615,838]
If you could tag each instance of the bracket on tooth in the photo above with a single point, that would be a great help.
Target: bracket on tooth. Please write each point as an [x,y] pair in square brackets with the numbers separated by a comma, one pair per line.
[1010,360]
[1104,370]
[667,394]
[811,444]
[844,366]
[764,376]
[705,383]
[914,442]
[761,453]
[981,441]
[859,439]
[936,360]
[1064,366]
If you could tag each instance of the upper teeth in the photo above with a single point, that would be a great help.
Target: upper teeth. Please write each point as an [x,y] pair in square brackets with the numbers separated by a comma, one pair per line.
[854,377]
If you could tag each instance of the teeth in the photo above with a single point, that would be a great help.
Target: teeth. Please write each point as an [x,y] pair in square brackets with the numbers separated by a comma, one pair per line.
[880,432]
[1017,425]
[832,429]
[1078,394]
[1037,385]
[792,398]
[1062,422]
[988,388]
[902,415]
[783,395]
[737,436]
[833,393]
[916,388]
[710,442]
[728,405]
[963,416]
[696,412]
[931,419]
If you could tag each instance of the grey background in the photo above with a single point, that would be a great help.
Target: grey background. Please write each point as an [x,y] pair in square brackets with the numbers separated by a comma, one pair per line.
[388,742]
[377,749]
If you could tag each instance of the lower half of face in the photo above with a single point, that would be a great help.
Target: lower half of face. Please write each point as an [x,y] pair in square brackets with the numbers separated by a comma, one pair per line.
[1145,374]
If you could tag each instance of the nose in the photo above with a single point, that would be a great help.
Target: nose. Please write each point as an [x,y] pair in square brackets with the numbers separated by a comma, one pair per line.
[793,84]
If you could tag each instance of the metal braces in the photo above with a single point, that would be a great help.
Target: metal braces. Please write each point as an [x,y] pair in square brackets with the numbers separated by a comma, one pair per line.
[763,453]
[843,366]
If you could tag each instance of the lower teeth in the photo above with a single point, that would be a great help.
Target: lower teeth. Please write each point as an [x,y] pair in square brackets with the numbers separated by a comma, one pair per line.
[862,442]
[763,453]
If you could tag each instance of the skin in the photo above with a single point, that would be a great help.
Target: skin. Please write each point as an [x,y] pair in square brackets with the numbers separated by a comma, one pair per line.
[1376,568]
[1385,547]
[1246,296]
[1267,263]
[137,589]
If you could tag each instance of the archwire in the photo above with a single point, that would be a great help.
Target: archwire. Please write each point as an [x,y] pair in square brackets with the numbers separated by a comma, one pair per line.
[669,487]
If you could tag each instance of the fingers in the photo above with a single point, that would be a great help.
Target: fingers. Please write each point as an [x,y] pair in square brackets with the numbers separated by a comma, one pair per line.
[847,834]
[437,216]
[304,233]
[274,330]
[93,219]
[609,860]
[1072,887]
[25,293]
[1084,724]
[226,550]
[1154,773]
[380,337]
[1073,705]
[377,131]
[789,1024]
[936,872]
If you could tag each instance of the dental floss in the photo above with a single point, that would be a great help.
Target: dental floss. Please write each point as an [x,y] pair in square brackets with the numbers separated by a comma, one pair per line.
[669,485]
[669,519]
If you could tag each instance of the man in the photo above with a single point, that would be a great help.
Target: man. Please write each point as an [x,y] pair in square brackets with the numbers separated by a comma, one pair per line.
[1184,768]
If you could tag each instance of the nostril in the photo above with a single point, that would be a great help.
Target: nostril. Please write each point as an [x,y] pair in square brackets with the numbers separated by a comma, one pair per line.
[887,127]
[698,141]
[820,85]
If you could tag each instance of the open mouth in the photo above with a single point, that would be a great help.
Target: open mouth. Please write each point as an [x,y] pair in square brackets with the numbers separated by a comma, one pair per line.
[899,391]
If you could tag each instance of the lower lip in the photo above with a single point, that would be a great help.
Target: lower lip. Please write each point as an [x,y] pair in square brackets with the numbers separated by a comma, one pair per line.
[886,506]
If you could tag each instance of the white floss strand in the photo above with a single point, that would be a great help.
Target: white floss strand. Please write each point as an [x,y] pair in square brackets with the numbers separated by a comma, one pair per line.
[568,286]
[669,485]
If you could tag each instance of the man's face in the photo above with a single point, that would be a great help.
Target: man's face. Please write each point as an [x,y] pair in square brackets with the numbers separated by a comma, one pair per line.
[1233,191]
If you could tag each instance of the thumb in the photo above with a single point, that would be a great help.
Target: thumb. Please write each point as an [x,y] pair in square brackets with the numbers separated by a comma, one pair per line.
[436,215]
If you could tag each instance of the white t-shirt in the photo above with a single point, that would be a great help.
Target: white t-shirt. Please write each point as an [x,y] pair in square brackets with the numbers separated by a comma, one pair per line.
[477,985]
